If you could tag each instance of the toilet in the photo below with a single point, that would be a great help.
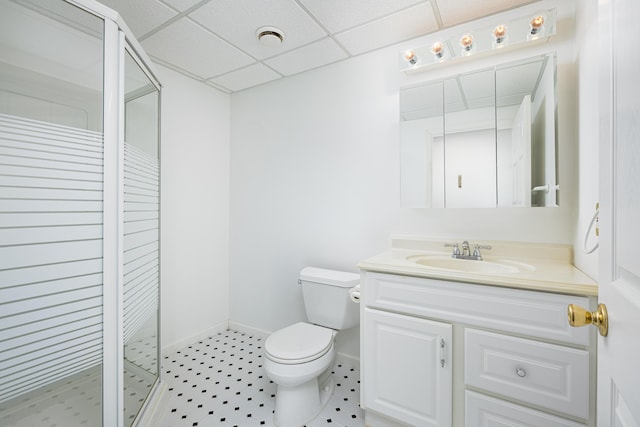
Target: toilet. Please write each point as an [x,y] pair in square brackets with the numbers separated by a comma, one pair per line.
[298,358]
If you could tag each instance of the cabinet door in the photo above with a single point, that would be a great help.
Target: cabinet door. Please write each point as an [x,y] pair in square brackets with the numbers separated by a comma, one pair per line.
[406,368]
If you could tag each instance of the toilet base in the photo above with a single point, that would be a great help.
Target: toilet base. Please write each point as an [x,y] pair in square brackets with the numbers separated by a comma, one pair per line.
[296,406]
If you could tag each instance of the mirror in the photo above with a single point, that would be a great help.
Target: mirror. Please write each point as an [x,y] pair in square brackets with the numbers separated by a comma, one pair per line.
[141,237]
[485,138]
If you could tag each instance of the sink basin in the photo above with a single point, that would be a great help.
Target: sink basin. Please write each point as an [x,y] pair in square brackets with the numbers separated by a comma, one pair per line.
[493,266]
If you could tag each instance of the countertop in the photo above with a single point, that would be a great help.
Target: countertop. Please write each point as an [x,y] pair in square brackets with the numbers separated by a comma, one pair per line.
[550,268]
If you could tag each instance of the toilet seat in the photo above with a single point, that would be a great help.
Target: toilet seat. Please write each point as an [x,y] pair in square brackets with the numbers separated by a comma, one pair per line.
[298,343]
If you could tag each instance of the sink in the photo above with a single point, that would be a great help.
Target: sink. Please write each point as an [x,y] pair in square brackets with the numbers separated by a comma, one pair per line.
[486,266]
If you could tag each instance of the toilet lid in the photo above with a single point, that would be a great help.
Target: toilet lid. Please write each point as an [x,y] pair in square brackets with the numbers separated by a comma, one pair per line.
[298,343]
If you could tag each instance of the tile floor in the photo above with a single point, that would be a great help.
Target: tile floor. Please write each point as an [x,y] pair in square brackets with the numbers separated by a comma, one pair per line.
[220,381]
[74,401]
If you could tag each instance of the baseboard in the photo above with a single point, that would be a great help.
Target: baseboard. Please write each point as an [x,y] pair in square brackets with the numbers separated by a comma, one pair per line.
[184,342]
[349,359]
[249,329]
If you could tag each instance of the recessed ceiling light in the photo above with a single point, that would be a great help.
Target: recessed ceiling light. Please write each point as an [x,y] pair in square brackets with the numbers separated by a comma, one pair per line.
[270,36]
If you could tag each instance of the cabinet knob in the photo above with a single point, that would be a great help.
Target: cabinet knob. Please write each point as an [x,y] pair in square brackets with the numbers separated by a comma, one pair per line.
[521,372]
[579,316]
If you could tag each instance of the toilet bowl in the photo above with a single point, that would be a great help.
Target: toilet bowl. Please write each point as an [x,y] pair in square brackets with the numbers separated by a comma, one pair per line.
[298,358]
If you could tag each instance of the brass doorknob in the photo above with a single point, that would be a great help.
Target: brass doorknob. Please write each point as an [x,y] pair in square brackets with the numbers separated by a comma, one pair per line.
[579,316]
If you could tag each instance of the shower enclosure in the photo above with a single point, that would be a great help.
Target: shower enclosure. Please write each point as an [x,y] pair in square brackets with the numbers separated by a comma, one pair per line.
[79,217]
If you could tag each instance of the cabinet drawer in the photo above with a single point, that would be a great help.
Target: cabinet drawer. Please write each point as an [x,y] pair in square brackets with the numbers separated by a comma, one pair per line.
[485,411]
[536,314]
[542,374]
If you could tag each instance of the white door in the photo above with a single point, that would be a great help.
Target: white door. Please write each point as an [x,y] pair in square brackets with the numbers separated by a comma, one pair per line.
[618,367]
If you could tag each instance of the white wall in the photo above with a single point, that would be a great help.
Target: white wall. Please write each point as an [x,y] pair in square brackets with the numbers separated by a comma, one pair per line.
[195,208]
[315,181]
[587,47]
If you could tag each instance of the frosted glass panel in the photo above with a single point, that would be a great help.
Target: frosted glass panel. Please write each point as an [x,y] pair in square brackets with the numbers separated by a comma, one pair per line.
[51,222]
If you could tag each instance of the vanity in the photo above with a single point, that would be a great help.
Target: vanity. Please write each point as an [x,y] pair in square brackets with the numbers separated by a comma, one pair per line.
[460,342]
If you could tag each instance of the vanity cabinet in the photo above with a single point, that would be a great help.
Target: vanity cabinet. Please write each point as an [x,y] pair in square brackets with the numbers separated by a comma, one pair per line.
[444,353]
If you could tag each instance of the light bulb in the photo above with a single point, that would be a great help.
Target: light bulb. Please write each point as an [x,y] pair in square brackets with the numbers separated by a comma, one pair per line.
[499,35]
[410,57]
[536,25]
[438,50]
[467,44]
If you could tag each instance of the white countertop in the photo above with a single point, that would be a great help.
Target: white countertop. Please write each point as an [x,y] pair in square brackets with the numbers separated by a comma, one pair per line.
[551,270]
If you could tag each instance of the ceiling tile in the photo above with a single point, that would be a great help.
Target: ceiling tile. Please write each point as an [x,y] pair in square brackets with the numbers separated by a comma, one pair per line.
[218,38]
[244,78]
[181,5]
[410,23]
[237,22]
[454,12]
[190,47]
[340,15]
[317,54]
[141,16]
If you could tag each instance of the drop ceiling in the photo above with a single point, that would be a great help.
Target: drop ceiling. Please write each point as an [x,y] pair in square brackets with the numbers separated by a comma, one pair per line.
[215,41]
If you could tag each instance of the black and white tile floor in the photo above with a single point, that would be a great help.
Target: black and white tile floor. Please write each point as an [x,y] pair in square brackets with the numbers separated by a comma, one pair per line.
[220,381]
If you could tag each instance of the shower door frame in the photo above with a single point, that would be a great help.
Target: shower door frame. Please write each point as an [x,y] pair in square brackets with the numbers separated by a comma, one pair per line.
[118,40]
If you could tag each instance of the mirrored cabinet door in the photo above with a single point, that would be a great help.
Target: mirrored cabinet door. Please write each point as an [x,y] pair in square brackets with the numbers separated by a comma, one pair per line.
[421,132]
[470,140]
[485,138]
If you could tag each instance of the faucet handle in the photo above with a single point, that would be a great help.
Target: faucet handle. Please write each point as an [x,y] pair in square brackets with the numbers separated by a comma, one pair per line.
[487,247]
[476,250]
[456,248]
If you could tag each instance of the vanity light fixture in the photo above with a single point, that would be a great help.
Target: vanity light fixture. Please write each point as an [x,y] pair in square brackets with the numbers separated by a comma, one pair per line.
[500,36]
[467,44]
[438,51]
[270,36]
[506,32]
[410,57]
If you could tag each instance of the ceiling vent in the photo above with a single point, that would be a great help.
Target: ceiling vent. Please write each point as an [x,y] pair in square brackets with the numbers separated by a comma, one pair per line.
[270,36]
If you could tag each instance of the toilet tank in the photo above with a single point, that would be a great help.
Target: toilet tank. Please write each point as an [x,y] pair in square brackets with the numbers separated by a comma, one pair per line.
[326,297]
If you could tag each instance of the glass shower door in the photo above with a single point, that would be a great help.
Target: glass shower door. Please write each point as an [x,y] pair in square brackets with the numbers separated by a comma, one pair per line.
[141,237]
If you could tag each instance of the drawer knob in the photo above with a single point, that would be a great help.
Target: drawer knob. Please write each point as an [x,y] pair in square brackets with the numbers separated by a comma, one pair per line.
[521,372]
[579,316]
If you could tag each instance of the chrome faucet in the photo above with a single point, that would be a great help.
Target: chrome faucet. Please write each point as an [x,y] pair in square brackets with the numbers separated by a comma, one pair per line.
[465,252]
[465,249]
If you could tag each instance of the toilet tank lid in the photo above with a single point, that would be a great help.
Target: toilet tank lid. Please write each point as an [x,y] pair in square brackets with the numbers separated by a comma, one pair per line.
[329,277]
